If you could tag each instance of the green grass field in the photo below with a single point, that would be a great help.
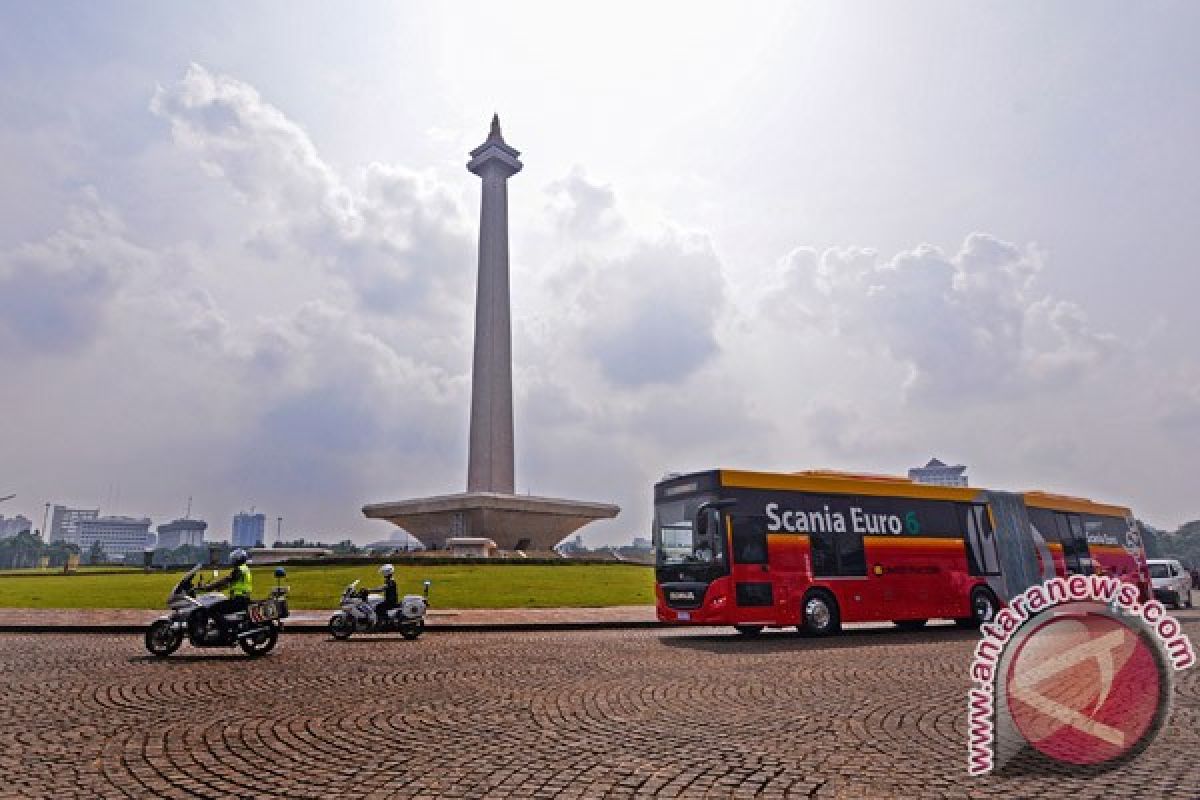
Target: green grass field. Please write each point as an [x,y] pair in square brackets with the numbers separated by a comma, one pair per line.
[319,587]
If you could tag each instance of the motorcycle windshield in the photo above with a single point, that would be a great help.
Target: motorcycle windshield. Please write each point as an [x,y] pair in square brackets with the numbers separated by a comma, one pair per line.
[186,580]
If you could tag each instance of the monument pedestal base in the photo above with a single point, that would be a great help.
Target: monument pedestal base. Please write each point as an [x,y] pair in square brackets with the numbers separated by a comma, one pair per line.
[513,522]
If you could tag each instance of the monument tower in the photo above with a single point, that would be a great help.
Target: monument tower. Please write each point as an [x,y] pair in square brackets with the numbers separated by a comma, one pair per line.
[490,457]
[490,508]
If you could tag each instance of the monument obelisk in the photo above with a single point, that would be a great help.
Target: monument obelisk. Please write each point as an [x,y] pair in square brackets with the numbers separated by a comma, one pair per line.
[490,453]
[490,508]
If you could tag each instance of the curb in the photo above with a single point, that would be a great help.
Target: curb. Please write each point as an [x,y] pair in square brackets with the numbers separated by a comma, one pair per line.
[310,629]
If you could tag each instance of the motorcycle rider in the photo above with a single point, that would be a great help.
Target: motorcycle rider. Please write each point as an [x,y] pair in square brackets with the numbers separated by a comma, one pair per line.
[239,583]
[391,596]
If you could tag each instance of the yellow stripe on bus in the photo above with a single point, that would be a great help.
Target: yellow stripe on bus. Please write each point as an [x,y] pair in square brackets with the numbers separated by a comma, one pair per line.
[949,542]
[732,478]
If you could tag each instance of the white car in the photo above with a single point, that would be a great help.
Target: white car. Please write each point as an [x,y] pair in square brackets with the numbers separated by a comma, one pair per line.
[1171,582]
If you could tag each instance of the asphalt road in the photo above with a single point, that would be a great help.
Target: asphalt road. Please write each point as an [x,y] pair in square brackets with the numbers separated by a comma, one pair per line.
[557,714]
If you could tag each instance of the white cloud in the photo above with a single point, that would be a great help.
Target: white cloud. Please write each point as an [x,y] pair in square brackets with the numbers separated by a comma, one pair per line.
[55,294]
[970,325]
[398,239]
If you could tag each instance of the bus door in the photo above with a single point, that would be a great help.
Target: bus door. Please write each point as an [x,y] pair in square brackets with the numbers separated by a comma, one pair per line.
[839,560]
[983,549]
[1074,542]
[983,557]
[755,593]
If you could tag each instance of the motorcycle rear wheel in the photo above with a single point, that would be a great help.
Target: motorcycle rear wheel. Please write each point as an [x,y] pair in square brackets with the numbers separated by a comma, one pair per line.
[260,643]
[162,639]
[341,626]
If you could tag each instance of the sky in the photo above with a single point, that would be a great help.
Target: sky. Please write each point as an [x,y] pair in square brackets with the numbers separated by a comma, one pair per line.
[238,249]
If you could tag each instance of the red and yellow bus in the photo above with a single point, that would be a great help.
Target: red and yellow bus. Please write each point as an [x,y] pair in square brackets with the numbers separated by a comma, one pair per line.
[816,549]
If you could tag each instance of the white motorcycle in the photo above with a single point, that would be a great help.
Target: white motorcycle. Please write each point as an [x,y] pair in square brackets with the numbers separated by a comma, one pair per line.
[358,613]
[255,630]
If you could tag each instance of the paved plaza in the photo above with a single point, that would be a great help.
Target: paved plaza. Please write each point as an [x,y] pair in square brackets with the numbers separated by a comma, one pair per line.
[615,713]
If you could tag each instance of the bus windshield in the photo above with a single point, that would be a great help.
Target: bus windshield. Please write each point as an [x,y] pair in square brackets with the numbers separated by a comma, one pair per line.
[675,539]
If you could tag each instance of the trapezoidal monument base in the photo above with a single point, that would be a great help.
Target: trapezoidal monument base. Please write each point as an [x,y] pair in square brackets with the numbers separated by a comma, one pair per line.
[513,522]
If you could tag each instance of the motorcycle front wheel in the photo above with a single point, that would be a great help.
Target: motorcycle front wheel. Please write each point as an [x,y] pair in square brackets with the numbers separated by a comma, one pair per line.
[162,639]
[411,632]
[260,643]
[341,625]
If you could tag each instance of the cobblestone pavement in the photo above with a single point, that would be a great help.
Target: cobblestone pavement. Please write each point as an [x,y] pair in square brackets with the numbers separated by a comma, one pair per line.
[438,617]
[675,713]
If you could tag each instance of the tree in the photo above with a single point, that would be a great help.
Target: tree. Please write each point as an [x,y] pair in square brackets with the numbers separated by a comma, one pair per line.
[1150,537]
[96,554]
[1183,544]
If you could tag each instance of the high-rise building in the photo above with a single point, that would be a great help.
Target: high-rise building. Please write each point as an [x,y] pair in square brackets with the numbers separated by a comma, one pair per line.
[64,523]
[11,526]
[936,473]
[182,532]
[249,530]
[118,536]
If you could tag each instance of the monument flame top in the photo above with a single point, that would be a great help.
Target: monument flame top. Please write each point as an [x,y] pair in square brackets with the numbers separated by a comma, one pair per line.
[495,152]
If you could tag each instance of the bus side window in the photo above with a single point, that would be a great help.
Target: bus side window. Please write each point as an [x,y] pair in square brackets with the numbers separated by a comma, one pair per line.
[749,540]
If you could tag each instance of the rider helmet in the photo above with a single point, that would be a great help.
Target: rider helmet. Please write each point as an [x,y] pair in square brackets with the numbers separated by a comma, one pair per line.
[386,570]
[238,557]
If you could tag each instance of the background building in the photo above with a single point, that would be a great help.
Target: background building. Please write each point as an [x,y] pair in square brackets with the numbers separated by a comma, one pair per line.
[11,526]
[118,536]
[64,523]
[938,474]
[249,530]
[400,541]
[182,532]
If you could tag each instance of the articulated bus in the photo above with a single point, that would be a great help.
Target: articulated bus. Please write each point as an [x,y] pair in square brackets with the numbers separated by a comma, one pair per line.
[816,549]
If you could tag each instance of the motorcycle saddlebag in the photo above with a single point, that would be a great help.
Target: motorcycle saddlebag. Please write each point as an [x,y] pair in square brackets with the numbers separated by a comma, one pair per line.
[266,610]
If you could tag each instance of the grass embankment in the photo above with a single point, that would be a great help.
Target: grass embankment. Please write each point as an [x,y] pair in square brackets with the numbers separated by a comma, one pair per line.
[320,587]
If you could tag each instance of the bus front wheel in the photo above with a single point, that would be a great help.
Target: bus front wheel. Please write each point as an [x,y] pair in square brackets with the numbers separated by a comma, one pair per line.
[819,615]
[983,608]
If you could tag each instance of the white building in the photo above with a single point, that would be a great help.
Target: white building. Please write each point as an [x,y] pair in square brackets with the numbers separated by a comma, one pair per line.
[471,546]
[11,526]
[936,473]
[64,523]
[181,532]
[118,536]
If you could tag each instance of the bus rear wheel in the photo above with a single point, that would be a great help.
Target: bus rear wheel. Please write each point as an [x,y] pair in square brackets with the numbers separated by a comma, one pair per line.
[983,608]
[749,630]
[819,614]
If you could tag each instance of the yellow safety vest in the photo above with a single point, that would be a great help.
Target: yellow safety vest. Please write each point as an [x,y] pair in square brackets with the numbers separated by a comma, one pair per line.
[240,586]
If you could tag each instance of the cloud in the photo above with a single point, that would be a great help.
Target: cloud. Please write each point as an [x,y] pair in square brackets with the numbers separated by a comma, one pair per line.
[966,326]
[649,317]
[397,238]
[55,294]
[582,208]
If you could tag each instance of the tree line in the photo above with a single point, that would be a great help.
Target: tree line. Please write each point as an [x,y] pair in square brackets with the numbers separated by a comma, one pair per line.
[1183,544]
[25,550]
